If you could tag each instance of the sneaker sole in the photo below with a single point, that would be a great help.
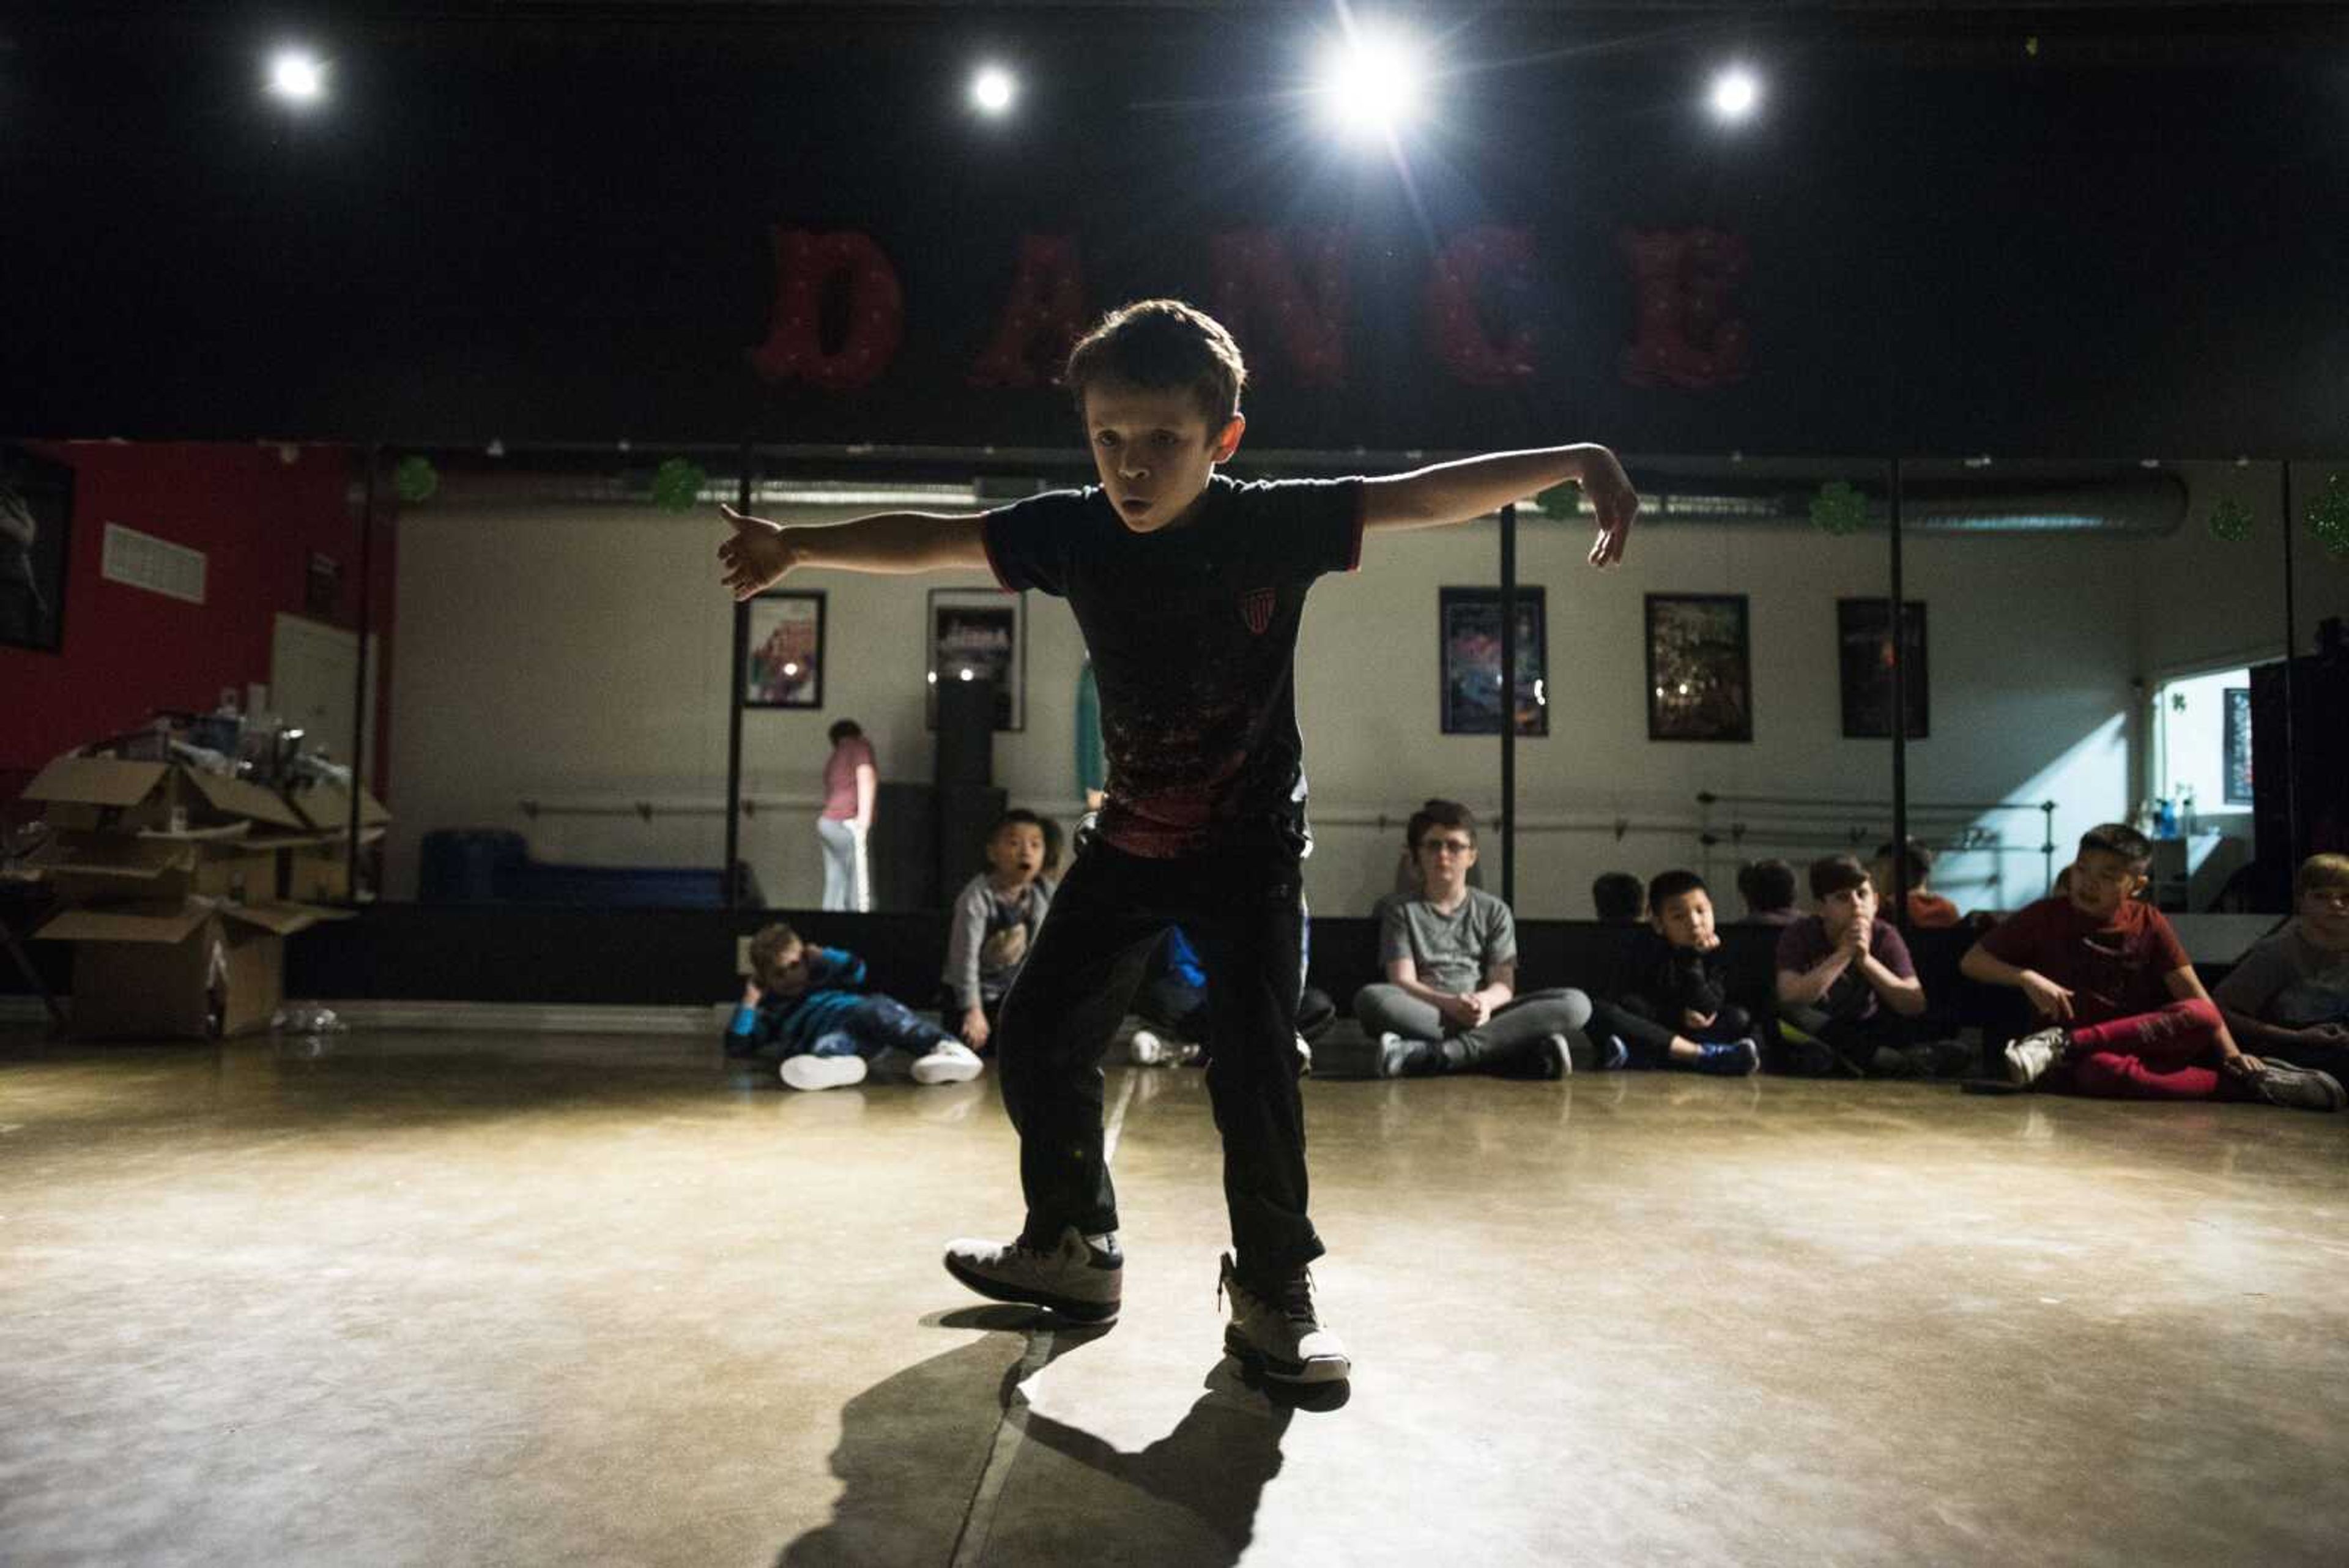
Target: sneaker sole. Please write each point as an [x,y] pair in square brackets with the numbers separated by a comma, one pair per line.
[2324,1087]
[1321,1369]
[1091,1313]
[948,1070]
[813,1072]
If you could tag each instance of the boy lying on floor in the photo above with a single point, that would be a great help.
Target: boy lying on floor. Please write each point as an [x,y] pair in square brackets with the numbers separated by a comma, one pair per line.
[805,1005]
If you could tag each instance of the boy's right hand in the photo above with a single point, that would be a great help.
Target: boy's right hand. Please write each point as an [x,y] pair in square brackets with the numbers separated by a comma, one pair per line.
[752,994]
[756,558]
[2047,998]
[974,1029]
[2324,1034]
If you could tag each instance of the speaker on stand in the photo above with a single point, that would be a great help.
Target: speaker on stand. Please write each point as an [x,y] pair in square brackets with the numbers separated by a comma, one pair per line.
[968,801]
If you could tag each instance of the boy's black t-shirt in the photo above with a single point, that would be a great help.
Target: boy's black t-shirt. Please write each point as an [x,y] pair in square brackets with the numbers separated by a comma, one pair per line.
[1192,633]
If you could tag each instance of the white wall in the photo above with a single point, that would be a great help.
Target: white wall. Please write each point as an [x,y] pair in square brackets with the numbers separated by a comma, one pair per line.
[581,652]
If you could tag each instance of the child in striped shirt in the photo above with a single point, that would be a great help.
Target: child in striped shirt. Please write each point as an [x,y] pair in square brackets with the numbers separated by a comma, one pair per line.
[807,1005]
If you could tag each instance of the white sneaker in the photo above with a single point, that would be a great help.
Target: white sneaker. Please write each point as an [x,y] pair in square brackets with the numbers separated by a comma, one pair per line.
[952,1062]
[807,1071]
[2028,1059]
[1284,1338]
[1145,1049]
[1077,1278]
[1304,1058]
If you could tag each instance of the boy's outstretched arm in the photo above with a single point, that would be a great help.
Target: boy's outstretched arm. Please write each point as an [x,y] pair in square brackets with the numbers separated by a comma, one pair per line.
[1469,487]
[758,553]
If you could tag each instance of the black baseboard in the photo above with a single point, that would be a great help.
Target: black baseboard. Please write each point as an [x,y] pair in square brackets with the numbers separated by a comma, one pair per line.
[662,958]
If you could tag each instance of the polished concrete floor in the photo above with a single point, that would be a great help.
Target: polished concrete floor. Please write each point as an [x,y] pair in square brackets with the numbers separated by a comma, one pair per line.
[463,1299]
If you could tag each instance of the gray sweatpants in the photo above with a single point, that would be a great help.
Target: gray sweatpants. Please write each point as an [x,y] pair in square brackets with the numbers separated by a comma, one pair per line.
[1516,1026]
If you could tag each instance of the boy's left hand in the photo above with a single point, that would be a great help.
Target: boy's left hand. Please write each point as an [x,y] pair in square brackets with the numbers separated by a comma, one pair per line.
[2242,1066]
[1612,497]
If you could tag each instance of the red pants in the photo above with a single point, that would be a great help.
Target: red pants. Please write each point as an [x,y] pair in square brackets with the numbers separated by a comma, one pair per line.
[2163,1056]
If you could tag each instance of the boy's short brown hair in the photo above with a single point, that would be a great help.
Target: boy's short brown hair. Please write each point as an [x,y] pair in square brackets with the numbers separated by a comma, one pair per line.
[1832,874]
[1439,814]
[1157,344]
[2119,838]
[767,948]
[2320,871]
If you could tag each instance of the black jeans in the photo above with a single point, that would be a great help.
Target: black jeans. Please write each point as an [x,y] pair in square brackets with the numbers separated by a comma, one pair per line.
[1244,911]
[1168,1003]
[1641,1025]
[1846,1045]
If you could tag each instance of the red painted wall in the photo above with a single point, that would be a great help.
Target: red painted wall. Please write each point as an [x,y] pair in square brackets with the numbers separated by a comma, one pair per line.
[127,651]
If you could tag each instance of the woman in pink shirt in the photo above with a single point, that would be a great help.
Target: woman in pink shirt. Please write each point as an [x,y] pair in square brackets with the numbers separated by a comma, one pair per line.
[849,783]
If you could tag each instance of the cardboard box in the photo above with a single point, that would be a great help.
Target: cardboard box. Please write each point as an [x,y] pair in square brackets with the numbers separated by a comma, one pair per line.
[110,794]
[192,969]
[320,869]
[151,867]
[324,808]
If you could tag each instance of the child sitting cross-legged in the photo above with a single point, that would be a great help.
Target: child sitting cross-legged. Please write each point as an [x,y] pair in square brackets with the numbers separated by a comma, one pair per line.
[2287,998]
[1847,991]
[2124,1015]
[806,1006]
[1449,1002]
[1672,1008]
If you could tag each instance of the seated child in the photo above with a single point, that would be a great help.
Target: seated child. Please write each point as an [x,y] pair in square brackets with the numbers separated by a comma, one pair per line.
[1673,1009]
[2125,1015]
[802,1004]
[1619,897]
[995,917]
[1846,988]
[1768,888]
[1449,1003]
[2289,996]
[1172,1005]
[1928,911]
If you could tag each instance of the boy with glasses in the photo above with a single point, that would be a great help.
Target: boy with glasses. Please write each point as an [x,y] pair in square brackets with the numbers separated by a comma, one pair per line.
[1449,1002]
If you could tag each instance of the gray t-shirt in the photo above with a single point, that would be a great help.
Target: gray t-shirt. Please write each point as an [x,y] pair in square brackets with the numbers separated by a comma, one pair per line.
[2288,981]
[1453,952]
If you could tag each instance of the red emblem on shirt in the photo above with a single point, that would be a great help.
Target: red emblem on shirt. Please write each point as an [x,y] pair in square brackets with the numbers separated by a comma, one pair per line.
[1256,608]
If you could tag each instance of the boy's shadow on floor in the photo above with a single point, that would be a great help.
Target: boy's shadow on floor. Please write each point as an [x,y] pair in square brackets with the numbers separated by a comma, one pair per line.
[915,1451]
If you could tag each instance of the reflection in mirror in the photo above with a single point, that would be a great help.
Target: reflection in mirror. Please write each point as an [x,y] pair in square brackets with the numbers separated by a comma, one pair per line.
[559,719]
[199,604]
[2099,635]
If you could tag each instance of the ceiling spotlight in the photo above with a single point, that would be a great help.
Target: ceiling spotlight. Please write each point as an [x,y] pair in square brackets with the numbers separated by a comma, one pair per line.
[1736,92]
[1371,85]
[992,90]
[297,76]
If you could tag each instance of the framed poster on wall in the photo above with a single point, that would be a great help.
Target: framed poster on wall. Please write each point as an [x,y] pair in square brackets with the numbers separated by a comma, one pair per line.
[1864,659]
[35,526]
[1468,623]
[785,657]
[1699,668]
[980,634]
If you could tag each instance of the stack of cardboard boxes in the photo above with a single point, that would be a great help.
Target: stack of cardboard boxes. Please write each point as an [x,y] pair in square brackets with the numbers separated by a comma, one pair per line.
[181,887]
